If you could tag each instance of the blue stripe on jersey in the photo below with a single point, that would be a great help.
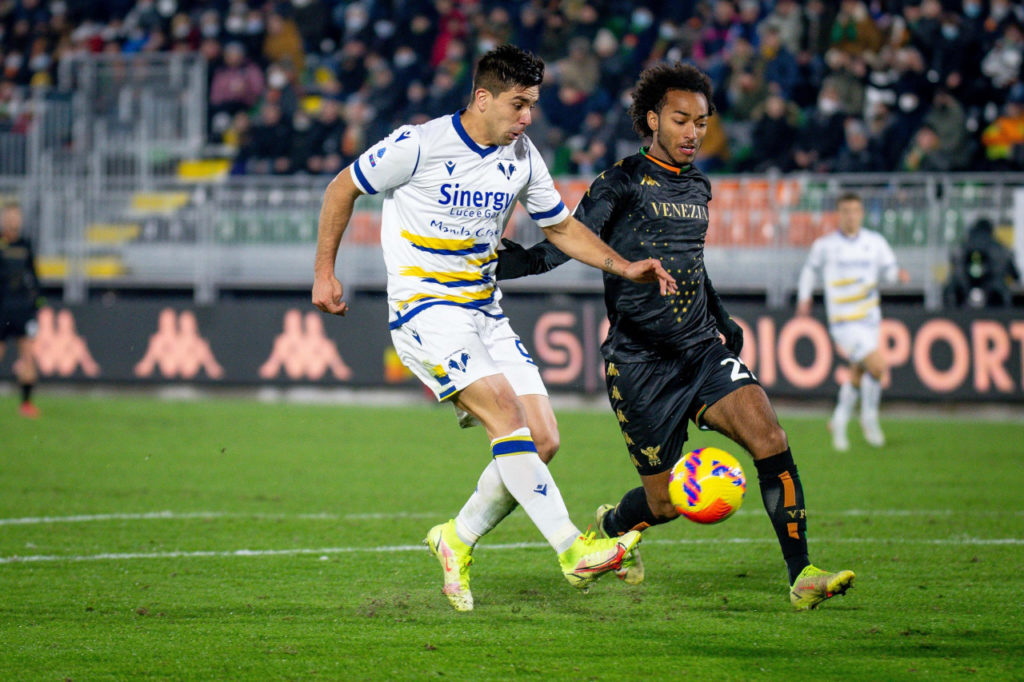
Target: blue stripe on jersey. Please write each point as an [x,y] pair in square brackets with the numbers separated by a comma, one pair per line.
[547,214]
[477,305]
[476,248]
[362,178]
[458,283]
[457,123]
[446,392]
[516,446]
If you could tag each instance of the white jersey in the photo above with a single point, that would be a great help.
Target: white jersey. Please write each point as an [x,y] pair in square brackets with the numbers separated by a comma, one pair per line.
[446,203]
[850,269]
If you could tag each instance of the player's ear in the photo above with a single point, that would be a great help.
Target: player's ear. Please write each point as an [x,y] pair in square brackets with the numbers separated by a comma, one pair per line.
[482,99]
[652,121]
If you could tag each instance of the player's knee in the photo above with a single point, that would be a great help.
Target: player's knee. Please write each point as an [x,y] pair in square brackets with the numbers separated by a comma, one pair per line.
[547,444]
[775,441]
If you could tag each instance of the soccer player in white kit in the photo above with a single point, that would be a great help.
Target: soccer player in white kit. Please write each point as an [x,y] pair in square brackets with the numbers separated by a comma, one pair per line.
[449,188]
[851,262]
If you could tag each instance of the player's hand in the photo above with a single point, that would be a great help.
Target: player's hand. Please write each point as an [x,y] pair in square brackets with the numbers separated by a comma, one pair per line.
[904,276]
[733,334]
[513,261]
[650,270]
[327,293]
[803,308]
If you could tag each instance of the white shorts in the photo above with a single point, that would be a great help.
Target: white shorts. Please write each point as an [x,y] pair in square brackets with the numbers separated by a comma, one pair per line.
[855,340]
[450,347]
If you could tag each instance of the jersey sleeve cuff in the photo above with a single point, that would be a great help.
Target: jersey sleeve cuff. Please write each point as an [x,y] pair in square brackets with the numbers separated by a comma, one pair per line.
[360,180]
[552,216]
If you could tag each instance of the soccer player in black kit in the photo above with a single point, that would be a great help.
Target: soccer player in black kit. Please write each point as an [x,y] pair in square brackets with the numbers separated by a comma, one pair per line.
[19,294]
[665,363]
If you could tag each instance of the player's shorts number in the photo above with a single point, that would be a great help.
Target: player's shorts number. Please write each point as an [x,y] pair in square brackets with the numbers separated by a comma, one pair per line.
[525,353]
[739,370]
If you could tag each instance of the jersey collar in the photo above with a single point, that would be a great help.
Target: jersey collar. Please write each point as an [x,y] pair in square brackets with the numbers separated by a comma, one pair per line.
[457,124]
[669,167]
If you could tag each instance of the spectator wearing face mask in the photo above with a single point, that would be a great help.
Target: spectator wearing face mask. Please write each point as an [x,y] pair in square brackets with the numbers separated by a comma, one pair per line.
[821,136]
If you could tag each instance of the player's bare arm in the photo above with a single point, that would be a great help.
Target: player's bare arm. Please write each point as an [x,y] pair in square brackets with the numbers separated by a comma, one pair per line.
[576,240]
[339,198]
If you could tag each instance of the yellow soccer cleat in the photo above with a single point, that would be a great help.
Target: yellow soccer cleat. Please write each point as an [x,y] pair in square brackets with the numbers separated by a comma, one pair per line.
[814,586]
[455,557]
[632,570]
[591,557]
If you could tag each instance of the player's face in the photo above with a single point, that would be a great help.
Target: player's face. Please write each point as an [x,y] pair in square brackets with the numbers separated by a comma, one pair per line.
[509,113]
[680,127]
[851,215]
[10,222]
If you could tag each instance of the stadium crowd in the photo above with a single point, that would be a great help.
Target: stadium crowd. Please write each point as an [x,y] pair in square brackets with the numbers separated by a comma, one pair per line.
[305,85]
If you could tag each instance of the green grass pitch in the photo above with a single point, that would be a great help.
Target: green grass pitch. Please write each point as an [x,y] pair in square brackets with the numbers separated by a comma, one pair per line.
[232,539]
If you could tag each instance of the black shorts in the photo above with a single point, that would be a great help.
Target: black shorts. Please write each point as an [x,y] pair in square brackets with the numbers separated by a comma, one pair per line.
[17,321]
[654,400]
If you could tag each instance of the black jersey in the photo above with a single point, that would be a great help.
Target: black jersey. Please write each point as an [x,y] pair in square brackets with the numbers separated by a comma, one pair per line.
[644,208]
[19,284]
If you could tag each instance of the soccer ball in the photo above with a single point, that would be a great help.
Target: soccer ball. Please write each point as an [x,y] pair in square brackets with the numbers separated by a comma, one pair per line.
[707,485]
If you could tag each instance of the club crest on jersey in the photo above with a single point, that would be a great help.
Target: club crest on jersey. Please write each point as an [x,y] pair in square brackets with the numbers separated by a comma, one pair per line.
[449,166]
[507,172]
[457,362]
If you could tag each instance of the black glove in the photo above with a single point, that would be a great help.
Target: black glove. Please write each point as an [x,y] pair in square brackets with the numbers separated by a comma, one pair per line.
[732,332]
[513,261]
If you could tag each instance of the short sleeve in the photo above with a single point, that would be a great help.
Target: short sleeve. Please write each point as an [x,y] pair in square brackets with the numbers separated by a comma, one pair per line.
[389,163]
[540,198]
[599,203]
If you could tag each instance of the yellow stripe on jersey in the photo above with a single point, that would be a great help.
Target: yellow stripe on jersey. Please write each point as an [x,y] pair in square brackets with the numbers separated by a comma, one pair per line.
[844,282]
[864,293]
[439,244]
[859,314]
[483,261]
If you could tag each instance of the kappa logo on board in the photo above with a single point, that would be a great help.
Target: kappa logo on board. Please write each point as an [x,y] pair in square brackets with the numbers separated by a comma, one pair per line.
[177,350]
[303,350]
[58,348]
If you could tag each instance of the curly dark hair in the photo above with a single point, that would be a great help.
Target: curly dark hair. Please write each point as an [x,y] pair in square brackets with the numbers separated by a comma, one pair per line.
[654,84]
[506,67]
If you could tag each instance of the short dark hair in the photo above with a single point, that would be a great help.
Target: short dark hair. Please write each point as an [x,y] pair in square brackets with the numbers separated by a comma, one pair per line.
[506,67]
[849,196]
[654,84]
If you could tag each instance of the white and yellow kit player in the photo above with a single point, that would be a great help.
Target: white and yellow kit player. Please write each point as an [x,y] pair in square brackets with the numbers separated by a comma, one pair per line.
[851,262]
[449,188]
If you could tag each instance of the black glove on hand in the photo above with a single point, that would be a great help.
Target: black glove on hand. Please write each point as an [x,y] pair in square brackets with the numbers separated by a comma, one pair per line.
[513,261]
[732,332]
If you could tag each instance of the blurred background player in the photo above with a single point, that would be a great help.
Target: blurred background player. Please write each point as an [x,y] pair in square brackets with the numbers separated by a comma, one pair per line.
[851,262]
[665,362]
[449,187]
[981,270]
[19,299]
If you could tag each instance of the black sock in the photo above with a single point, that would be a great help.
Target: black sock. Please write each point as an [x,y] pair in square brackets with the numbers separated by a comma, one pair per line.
[783,498]
[632,513]
[26,392]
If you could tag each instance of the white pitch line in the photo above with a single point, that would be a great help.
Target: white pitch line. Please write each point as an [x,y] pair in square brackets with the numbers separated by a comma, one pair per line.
[388,516]
[169,515]
[324,551]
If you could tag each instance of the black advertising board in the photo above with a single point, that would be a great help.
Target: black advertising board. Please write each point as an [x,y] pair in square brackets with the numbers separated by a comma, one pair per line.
[946,355]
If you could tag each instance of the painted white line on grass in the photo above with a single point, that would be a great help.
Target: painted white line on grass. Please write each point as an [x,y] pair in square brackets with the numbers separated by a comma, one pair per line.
[169,515]
[388,516]
[324,551]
